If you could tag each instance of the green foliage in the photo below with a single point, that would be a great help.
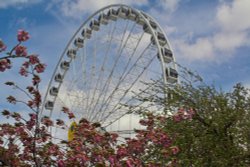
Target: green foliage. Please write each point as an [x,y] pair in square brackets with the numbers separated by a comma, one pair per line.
[218,135]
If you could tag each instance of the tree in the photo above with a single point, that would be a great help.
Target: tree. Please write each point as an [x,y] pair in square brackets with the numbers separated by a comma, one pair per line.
[27,141]
[218,131]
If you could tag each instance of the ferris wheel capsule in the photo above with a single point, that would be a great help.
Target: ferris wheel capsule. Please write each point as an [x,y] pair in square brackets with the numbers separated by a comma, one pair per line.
[122,12]
[79,42]
[161,39]
[131,14]
[53,91]
[146,27]
[167,55]
[71,53]
[65,65]
[112,14]
[103,19]
[49,105]
[94,25]
[86,33]
[59,78]
[139,20]
[172,75]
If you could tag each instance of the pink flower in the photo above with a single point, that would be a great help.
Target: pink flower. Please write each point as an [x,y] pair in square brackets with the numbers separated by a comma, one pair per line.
[26,64]
[59,122]
[11,99]
[33,59]
[111,160]
[40,68]
[21,51]
[121,152]
[22,35]
[2,46]
[175,150]
[31,104]
[129,163]
[97,138]
[32,116]
[60,163]
[4,64]
[47,122]
[23,72]
[114,137]
[177,118]
[36,80]
[190,113]
[71,115]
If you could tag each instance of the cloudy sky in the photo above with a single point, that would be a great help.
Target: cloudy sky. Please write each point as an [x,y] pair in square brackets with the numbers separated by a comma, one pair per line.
[211,37]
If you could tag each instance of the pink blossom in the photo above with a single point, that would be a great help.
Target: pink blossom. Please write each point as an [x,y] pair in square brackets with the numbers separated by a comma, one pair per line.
[71,115]
[19,130]
[11,99]
[60,163]
[33,59]
[2,46]
[40,68]
[22,35]
[4,64]
[23,72]
[97,138]
[59,122]
[1,142]
[111,160]
[36,80]
[31,104]
[32,116]
[175,150]
[121,152]
[129,163]
[47,122]
[114,137]
[191,113]
[30,89]
[21,51]
[37,99]
[26,64]
[177,118]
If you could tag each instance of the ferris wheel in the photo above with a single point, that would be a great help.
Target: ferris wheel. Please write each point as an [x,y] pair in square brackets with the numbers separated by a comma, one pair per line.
[105,65]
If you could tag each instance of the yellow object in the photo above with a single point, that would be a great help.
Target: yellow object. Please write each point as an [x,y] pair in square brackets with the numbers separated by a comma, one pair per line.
[71,131]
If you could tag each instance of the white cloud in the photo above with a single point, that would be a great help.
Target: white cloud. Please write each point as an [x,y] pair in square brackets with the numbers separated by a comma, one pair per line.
[229,42]
[16,3]
[77,8]
[169,29]
[232,33]
[234,17]
[170,5]
[202,49]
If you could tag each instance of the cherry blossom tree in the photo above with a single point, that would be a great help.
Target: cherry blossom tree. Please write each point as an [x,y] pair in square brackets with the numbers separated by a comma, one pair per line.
[27,141]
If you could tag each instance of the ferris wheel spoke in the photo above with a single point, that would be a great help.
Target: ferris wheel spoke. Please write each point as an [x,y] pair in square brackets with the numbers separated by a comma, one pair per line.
[123,76]
[103,104]
[122,79]
[119,53]
[100,76]
[131,86]
[131,110]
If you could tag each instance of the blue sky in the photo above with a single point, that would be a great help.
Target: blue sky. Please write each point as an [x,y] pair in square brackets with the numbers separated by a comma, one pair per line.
[210,37]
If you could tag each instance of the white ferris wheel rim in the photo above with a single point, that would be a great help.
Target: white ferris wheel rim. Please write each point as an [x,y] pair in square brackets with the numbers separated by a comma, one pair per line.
[145,17]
